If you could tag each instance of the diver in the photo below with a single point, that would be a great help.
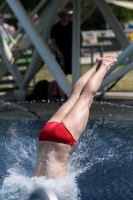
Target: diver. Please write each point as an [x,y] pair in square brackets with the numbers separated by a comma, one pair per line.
[61,133]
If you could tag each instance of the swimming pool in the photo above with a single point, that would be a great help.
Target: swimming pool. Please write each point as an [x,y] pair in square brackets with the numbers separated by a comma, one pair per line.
[100,165]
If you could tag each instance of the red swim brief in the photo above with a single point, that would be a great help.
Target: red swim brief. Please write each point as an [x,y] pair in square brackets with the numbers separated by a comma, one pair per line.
[56,132]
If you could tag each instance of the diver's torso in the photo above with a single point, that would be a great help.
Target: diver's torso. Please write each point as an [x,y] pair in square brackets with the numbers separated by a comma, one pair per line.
[52,161]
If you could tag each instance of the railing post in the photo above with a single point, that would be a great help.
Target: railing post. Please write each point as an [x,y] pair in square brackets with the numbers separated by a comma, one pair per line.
[76,71]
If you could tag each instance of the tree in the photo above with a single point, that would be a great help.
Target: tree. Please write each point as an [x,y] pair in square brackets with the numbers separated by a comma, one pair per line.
[121,13]
[96,20]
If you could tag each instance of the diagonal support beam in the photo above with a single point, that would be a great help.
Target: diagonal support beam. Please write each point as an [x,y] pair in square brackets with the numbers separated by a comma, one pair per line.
[40,45]
[40,5]
[89,6]
[87,15]
[125,54]
[115,25]
[121,37]
[25,42]
[50,13]
[117,75]
[9,60]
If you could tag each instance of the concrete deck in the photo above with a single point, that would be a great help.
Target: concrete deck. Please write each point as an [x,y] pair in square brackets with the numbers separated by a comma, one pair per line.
[103,110]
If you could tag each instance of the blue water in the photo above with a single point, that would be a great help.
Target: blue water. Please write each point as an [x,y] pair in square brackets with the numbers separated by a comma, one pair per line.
[100,165]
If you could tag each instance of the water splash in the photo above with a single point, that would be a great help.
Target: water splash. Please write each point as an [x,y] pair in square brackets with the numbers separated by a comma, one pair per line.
[23,152]
[101,147]
[66,189]
[114,104]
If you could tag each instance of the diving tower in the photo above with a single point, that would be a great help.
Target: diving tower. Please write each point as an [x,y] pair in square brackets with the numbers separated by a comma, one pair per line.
[34,37]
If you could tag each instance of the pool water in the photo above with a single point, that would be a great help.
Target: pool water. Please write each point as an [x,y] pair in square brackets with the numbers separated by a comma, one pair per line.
[100,165]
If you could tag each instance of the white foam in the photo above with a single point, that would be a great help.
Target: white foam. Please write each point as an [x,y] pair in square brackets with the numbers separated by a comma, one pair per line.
[82,158]
[64,189]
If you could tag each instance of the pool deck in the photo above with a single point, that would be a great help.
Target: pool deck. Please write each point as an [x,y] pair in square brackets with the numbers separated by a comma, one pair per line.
[106,110]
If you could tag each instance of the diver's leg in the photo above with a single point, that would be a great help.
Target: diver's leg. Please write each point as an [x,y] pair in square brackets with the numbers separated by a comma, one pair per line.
[77,118]
[76,91]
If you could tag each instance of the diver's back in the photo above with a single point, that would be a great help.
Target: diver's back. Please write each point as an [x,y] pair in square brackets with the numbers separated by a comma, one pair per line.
[52,160]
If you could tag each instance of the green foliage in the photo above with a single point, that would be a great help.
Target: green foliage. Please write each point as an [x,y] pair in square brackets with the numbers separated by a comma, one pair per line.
[125,84]
[1,2]
[97,22]
[121,13]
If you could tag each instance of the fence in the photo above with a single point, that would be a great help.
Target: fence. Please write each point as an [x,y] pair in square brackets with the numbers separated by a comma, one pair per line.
[101,42]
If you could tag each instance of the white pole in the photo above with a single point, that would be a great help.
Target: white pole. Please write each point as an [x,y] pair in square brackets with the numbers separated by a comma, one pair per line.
[113,22]
[76,72]
[40,45]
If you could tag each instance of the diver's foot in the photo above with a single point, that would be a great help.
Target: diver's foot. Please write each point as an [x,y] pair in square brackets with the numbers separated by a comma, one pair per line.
[108,61]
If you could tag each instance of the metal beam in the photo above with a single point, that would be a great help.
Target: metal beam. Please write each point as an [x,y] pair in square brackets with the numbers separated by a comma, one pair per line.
[50,13]
[25,42]
[125,54]
[88,14]
[117,75]
[76,71]
[40,45]
[114,23]
[9,60]
[40,5]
